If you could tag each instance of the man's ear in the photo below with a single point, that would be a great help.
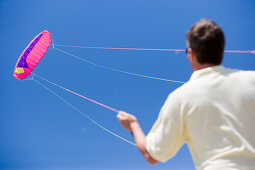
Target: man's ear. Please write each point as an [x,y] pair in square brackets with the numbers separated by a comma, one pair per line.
[192,55]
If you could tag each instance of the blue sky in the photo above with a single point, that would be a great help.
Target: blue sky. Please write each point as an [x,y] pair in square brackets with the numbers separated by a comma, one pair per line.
[39,131]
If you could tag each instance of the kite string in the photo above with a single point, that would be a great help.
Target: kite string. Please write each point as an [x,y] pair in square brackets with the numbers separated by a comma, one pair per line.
[115,48]
[98,103]
[147,49]
[116,70]
[93,121]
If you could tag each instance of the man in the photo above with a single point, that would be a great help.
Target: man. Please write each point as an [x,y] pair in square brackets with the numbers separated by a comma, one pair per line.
[214,112]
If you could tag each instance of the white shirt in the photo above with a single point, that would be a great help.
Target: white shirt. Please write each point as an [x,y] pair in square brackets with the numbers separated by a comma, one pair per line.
[214,112]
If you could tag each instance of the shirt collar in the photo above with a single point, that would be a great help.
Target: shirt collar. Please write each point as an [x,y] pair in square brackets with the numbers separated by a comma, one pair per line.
[199,73]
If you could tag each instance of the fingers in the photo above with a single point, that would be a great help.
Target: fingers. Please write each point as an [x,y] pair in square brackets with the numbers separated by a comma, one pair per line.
[126,119]
[121,115]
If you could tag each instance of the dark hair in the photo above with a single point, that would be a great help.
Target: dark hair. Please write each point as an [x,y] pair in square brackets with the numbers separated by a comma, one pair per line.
[207,40]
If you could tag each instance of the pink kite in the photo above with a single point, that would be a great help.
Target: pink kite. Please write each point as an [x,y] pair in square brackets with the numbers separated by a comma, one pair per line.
[31,56]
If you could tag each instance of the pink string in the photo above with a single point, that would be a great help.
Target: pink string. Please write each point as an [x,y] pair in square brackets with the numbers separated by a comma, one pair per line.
[98,103]
[149,49]
[236,51]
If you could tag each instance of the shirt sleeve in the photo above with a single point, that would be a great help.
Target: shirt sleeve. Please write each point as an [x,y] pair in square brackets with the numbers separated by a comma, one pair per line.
[167,134]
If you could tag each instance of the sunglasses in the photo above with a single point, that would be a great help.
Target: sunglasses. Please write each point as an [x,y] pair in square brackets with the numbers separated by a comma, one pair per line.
[187,50]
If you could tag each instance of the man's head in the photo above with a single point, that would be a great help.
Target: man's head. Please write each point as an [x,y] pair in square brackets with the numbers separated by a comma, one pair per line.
[206,41]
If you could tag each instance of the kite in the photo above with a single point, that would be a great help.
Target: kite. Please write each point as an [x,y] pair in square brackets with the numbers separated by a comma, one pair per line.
[32,54]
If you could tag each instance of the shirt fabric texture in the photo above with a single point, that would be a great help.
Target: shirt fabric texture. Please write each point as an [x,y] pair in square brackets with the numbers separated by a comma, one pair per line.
[214,113]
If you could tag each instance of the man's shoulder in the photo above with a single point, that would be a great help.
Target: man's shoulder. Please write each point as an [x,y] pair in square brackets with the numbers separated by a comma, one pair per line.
[206,86]
[187,88]
[184,92]
[238,76]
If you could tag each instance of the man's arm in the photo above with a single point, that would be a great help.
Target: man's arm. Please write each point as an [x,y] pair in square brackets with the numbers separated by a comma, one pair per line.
[130,123]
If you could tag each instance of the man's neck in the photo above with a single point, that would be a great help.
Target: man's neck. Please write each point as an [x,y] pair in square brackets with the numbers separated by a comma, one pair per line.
[202,66]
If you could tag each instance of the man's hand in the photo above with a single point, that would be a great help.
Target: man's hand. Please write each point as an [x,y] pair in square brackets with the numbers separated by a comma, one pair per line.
[130,123]
[126,120]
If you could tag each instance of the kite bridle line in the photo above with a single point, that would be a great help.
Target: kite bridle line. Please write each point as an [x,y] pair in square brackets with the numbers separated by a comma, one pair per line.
[96,102]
